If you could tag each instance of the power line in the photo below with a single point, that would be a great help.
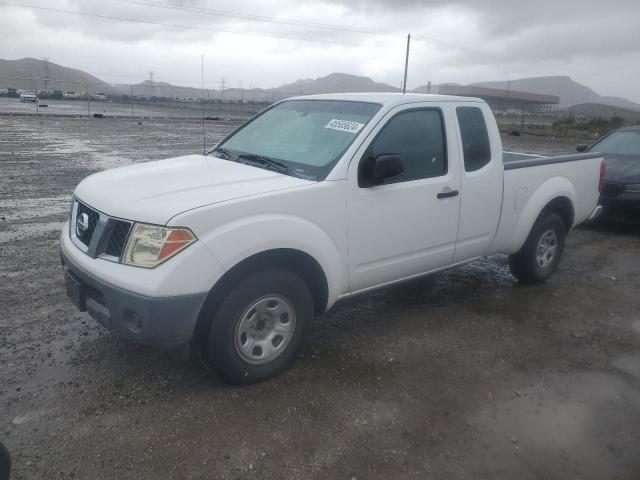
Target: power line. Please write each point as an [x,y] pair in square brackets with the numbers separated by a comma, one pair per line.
[262,18]
[297,23]
[192,27]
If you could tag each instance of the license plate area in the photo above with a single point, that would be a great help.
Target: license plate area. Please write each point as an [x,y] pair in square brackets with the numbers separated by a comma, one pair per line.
[75,292]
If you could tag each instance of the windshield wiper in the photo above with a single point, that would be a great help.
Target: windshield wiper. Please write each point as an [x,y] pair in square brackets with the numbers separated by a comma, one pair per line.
[266,161]
[224,152]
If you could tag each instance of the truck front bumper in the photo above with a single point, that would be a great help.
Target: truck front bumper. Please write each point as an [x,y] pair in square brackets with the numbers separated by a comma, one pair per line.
[160,321]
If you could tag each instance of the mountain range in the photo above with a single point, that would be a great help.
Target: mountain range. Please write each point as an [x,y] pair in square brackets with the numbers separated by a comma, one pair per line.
[20,74]
[569,91]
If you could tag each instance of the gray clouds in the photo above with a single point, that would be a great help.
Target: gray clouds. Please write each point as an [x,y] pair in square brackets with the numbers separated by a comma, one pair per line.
[463,41]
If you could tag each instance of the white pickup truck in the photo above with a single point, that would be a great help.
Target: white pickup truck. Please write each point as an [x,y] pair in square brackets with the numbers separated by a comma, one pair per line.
[315,199]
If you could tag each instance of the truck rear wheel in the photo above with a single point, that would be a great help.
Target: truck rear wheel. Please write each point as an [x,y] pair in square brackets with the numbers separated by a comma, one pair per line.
[540,255]
[260,326]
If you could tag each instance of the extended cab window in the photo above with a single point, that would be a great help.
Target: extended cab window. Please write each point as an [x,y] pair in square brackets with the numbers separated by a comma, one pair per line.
[475,139]
[418,136]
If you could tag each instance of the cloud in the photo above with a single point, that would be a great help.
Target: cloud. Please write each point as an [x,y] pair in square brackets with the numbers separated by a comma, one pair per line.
[453,41]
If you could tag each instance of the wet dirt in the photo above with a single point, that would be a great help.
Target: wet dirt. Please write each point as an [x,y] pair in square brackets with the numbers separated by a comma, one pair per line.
[465,374]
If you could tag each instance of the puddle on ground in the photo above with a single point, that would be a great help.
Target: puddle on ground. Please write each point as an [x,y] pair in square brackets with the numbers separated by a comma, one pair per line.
[569,418]
[629,364]
[84,152]
[29,230]
[22,208]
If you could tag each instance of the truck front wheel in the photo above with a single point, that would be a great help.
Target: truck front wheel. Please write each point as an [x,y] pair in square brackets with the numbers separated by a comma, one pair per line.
[540,255]
[260,326]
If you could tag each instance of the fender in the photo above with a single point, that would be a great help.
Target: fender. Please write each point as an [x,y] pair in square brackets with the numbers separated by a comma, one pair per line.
[511,238]
[234,241]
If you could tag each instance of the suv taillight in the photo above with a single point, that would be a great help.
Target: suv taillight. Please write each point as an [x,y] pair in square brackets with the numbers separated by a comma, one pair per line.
[603,171]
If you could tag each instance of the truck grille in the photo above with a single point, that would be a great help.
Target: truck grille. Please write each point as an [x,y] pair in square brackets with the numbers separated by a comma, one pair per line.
[97,234]
[117,237]
[612,189]
[92,216]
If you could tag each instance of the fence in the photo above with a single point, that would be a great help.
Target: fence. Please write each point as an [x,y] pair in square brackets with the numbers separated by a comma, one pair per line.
[87,98]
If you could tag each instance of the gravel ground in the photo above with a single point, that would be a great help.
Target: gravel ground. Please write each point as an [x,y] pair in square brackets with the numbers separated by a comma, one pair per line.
[461,375]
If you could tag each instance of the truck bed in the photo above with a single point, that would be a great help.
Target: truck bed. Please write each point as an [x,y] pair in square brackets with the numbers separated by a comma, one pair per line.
[530,180]
[513,160]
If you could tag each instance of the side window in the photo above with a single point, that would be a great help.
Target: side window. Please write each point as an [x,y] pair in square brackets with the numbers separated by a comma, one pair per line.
[417,135]
[475,139]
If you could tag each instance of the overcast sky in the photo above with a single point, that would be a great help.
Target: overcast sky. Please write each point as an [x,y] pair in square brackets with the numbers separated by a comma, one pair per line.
[595,42]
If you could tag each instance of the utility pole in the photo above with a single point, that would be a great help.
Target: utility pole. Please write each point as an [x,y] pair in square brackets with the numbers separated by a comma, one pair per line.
[406,65]
[223,85]
[150,87]
[88,103]
[46,74]
[204,137]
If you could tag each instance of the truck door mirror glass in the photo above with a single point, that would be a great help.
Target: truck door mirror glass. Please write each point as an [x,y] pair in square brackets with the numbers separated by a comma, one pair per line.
[377,169]
[582,147]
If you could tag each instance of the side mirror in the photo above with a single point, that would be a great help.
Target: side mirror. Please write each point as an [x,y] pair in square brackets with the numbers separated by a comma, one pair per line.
[377,169]
[387,166]
[582,148]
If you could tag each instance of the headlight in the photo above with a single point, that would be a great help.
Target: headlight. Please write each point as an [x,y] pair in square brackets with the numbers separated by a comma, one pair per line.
[150,245]
[632,187]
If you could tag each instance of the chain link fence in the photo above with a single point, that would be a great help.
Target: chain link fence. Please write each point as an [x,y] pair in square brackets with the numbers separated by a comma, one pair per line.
[68,97]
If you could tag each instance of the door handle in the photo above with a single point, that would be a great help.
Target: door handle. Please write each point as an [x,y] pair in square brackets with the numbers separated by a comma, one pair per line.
[447,193]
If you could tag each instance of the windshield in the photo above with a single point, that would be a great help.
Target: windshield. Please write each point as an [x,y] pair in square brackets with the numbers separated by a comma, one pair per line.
[306,136]
[623,142]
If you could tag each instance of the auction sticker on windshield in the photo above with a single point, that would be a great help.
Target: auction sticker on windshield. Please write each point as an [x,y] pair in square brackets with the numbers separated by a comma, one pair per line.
[344,125]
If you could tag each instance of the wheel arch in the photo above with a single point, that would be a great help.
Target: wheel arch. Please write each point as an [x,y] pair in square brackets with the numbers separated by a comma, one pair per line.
[563,206]
[557,195]
[297,261]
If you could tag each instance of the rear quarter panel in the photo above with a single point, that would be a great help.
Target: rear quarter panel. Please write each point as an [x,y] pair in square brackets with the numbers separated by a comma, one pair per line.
[528,190]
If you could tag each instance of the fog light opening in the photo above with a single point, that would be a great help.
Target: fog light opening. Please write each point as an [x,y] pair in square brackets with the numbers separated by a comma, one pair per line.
[133,322]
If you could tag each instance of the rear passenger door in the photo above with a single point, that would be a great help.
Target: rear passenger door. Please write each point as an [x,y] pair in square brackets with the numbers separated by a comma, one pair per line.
[407,225]
[482,179]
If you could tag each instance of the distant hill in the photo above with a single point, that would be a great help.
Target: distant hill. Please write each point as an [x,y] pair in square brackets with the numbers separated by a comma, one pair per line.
[19,74]
[65,78]
[600,110]
[569,91]
[335,83]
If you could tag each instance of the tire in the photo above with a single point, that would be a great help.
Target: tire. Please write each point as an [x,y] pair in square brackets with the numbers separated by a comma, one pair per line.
[259,309]
[540,255]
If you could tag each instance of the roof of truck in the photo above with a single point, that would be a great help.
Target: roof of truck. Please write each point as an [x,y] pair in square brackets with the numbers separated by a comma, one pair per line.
[389,99]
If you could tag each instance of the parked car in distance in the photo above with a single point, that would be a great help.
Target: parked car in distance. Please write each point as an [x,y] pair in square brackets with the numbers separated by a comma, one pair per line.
[314,200]
[100,97]
[620,149]
[28,97]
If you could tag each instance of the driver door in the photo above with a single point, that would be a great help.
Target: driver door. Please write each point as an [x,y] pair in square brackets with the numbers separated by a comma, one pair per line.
[408,224]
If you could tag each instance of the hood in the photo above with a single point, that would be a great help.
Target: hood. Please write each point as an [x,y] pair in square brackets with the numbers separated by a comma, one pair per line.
[153,192]
[622,168]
